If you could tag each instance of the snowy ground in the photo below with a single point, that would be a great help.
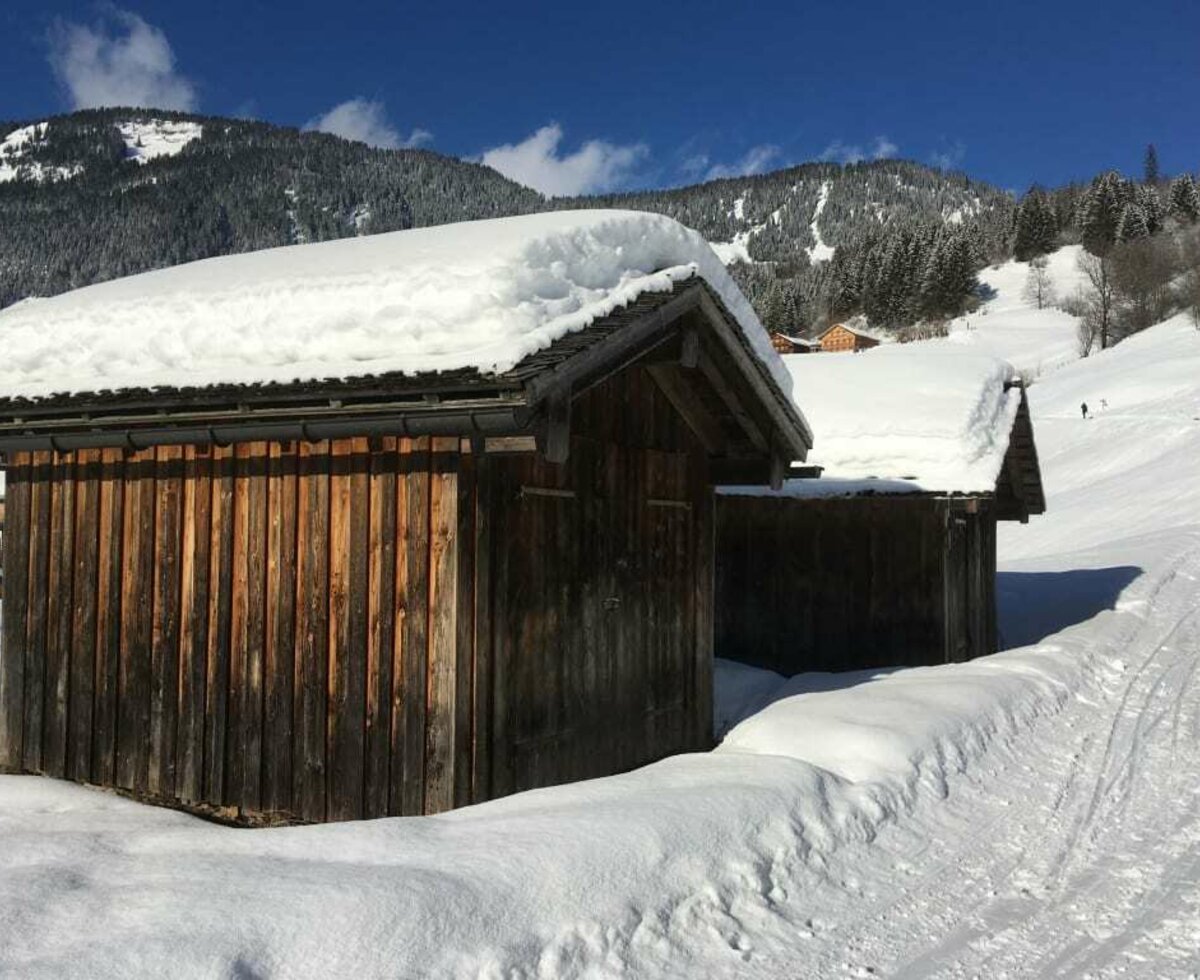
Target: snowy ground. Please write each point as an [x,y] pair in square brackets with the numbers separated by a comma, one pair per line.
[1031,814]
[1006,326]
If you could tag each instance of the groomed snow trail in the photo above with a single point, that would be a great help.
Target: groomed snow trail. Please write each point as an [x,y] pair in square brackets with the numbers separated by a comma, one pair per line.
[1073,852]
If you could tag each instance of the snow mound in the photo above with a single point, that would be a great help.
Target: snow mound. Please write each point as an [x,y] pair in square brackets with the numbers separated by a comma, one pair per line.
[148,139]
[479,295]
[904,417]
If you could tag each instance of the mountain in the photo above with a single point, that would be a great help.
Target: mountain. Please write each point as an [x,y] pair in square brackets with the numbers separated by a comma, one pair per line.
[107,193]
[103,193]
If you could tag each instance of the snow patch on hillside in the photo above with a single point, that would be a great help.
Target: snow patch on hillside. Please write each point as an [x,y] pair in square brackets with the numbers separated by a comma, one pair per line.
[149,139]
[820,252]
[13,148]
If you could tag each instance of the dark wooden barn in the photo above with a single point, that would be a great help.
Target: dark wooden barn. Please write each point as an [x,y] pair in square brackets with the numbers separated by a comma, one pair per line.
[877,576]
[390,595]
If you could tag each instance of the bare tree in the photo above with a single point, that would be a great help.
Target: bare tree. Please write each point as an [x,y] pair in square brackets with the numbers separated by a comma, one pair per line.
[1039,287]
[1085,336]
[1141,273]
[1099,299]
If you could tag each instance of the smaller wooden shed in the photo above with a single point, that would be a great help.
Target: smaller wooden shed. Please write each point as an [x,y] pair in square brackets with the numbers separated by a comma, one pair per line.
[788,344]
[889,557]
[326,579]
[840,338]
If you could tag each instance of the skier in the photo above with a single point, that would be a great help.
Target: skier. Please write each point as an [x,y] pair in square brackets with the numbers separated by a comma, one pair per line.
[1084,407]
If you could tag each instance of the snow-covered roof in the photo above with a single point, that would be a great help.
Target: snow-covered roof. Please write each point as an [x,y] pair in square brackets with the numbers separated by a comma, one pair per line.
[903,417]
[857,331]
[477,295]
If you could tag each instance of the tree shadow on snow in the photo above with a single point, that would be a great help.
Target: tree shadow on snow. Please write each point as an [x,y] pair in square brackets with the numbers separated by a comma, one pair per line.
[1031,606]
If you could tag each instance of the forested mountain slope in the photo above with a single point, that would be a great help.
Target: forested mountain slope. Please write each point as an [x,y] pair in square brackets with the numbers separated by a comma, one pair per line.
[104,193]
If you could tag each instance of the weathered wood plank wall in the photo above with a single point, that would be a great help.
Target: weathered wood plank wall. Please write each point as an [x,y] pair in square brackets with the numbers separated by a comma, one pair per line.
[853,583]
[601,647]
[362,628]
[231,628]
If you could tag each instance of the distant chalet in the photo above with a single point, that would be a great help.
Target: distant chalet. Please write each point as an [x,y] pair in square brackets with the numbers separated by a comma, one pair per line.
[313,584]
[840,337]
[786,344]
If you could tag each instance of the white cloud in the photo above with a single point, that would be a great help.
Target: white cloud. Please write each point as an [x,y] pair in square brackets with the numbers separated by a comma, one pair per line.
[948,158]
[881,149]
[366,121]
[756,160]
[121,61]
[536,162]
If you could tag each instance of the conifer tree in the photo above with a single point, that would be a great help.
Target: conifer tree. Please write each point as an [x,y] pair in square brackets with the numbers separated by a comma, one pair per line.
[1151,204]
[1036,226]
[1100,212]
[1184,199]
[1152,176]
[1132,224]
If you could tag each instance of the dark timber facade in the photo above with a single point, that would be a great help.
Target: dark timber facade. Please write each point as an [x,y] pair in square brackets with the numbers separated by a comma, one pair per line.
[849,583]
[388,596]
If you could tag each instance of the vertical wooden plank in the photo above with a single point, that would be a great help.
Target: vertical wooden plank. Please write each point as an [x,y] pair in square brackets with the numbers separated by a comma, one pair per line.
[133,705]
[381,623]
[83,629]
[440,722]
[235,750]
[220,607]
[196,537]
[464,615]
[397,735]
[280,661]
[481,672]
[253,540]
[38,609]
[501,779]
[414,692]
[108,615]
[312,629]
[164,649]
[14,650]
[59,617]
[349,504]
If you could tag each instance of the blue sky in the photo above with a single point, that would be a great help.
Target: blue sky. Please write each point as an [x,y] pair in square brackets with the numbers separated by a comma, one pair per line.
[585,98]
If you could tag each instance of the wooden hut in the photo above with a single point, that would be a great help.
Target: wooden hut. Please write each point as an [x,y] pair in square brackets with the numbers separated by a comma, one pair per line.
[391,592]
[840,338]
[787,344]
[889,557]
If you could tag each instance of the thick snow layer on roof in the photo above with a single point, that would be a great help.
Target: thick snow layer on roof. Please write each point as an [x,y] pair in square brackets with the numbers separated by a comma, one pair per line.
[481,294]
[913,416]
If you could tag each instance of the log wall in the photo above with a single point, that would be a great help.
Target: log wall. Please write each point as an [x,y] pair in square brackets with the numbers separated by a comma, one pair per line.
[830,584]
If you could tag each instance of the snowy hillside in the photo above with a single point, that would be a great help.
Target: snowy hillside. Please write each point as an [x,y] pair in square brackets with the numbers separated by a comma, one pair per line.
[1033,813]
[145,140]
[1009,327]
